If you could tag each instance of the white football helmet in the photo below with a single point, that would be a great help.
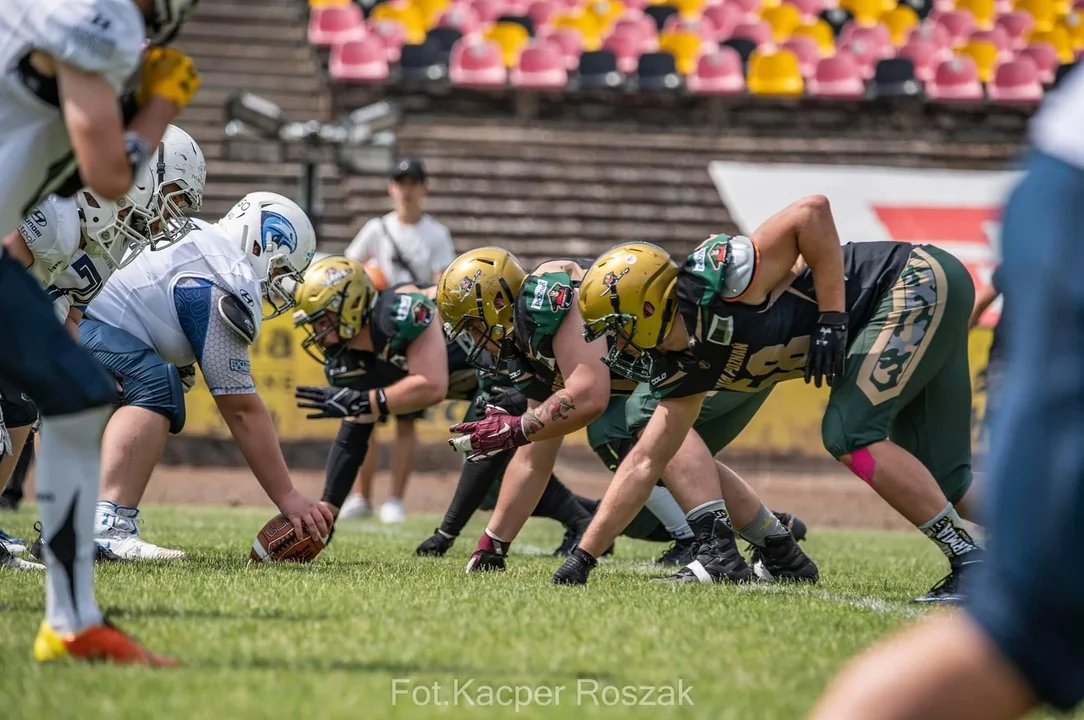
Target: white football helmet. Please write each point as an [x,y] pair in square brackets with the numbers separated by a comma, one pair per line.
[164,19]
[118,231]
[180,172]
[278,240]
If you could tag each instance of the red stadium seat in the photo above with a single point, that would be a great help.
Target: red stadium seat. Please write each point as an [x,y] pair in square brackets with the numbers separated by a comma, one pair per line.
[478,64]
[541,11]
[488,10]
[724,18]
[837,77]
[759,32]
[864,55]
[955,79]
[876,36]
[703,27]
[1016,81]
[627,50]
[362,60]
[331,25]
[718,73]
[808,8]
[393,35]
[998,37]
[750,9]
[1045,59]
[463,18]
[1017,24]
[570,42]
[936,34]
[808,52]
[541,67]
[923,55]
[641,29]
[959,23]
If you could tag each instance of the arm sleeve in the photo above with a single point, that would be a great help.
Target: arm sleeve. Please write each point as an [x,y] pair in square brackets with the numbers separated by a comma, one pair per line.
[360,248]
[221,353]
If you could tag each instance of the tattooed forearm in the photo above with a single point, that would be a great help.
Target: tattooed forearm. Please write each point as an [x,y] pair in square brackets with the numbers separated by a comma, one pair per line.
[554,410]
[531,423]
[560,405]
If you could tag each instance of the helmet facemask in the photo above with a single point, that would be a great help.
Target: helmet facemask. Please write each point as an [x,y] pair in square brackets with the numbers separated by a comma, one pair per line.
[314,343]
[624,355]
[171,214]
[114,231]
[491,343]
[278,288]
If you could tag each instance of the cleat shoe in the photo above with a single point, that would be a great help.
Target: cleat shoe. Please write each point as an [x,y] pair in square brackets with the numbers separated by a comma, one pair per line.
[117,530]
[794,524]
[101,554]
[13,544]
[355,507]
[949,590]
[9,561]
[488,555]
[572,536]
[682,552]
[781,559]
[392,512]
[576,568]
[715,559]
[436,545]
[97,642]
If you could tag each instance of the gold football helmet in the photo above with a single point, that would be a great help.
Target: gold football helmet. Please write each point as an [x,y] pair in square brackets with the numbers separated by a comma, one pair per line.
[630,294]
[476,295]
[335,296]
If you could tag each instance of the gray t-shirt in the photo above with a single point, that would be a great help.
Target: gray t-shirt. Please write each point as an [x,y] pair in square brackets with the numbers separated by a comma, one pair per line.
[425,248]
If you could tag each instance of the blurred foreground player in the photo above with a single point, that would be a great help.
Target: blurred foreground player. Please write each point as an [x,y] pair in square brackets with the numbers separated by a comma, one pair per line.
[1020,641]
[63,64]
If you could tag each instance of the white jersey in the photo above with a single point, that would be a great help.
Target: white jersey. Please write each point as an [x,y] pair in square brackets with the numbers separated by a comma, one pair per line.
[1058,128]
[405,253]
[159,299]
[104,37]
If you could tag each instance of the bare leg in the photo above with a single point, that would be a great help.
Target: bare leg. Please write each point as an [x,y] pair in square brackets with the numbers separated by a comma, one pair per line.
[132,444]
[970,504]
[941,668]
[742,503]
[905,483]
[525,480]
[402,456]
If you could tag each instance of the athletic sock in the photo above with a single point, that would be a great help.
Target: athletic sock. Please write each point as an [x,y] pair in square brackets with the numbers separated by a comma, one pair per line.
[475,481]
[664,507]
[344,459]
[702,517]
[947,531]
[764,525]
[69,469]
[558,502]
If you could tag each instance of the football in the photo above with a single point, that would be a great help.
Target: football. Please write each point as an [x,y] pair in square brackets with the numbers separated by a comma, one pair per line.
[277,541]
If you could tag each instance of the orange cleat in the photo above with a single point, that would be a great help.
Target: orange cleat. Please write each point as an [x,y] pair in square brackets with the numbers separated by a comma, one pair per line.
[104,642]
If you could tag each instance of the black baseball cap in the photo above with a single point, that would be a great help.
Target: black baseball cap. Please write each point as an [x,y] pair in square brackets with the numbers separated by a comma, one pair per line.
[411,168]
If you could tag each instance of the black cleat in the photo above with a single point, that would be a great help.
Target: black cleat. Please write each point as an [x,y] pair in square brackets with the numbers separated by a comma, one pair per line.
[715,559]
[572,536]
[435,546]
[682,552]
[101,554]
[576,568]
[781,559]
[949,589]
[793,523]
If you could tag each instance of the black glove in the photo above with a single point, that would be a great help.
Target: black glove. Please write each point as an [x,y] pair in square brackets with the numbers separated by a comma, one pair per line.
[575,569]
[828,350]
[436,546]
[332,402]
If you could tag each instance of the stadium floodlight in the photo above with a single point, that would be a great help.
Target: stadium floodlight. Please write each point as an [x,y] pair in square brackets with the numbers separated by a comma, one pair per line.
[256,113]
[365,122]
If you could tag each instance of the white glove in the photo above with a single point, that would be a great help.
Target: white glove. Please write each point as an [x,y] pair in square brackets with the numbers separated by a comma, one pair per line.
[61,306]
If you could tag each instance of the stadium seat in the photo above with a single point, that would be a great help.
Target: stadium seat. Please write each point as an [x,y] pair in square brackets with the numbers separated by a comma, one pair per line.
[866,12]
[478,64]
[836,19]
[895,78]
[659,13]
[443,38]
[750,9]
[955,79]
[431,10]
[541,67]
[641,30]
[393,35]
[570,43]
[331,25]
[406,15]
[877,36]
[864,55]
[1017,24]
[657,72]
[463,18]
[1045,59]
[689,9]
[703,27]
[1074,26]
[1058,38]
[1016,81]
[606,12]
[541,11]
[511,38]
[362,61]
[1041,10]
[959,24]
[724,18]
[422,63]
[808,9]
[627,48]
[982,10]
[759,32]
[328,3]
[718,73]
[598,71]
[937,35]
[820,31]
[923,55]
[807,51]
[488,10]
[1063,70]
[684,46]
[997,37]
[900,21]
[775,73]
[922,8]
[837,77]
[523,21]
[587,25]
[743,46]
[986,56]
[782,19]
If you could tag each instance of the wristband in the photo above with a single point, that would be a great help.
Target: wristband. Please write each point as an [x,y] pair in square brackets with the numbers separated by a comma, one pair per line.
[833,318]
[137,149]
[382,402]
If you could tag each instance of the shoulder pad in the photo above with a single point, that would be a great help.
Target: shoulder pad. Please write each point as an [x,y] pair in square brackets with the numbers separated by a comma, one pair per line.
[547,299]
[51,233]
[725,264]
[238,317]
[97,36]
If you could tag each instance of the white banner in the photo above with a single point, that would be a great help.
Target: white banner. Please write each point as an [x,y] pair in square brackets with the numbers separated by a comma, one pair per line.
[956,210]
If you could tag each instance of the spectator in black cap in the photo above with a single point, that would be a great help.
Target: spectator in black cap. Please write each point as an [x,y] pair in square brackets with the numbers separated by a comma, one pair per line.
[406,246]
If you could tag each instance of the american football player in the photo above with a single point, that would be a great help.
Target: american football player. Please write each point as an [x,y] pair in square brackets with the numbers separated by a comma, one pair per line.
[883,323]
[534,319]
[64,62]
[198,301]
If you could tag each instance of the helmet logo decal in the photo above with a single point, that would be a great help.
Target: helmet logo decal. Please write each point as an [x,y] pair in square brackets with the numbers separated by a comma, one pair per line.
[277,230]
[560,297]
[610,280]
[717,253]
[334,277]
[467,284]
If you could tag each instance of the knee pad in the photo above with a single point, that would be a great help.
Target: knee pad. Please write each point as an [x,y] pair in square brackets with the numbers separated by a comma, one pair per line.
[157,387]
[861,463]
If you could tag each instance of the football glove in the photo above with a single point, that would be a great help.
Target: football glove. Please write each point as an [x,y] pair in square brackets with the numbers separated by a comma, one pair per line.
[436,546]
[495,433]
[828,350]
[168,73]
[333,402]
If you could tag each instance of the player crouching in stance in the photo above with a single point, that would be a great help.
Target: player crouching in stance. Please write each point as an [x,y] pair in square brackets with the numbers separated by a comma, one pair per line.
[884,323]
[196,302]
[382,352]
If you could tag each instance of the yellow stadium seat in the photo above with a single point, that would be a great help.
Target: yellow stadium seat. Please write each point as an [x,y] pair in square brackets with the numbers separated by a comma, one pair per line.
[782,19]
[900,21]
[775,73]
[431,10]
[587,25]
[769,3]
[512,38]
[409,16]
[689,9]
[820,31]
[684,46]
[1041,10]
[607,12]
[1058,38]
[985,55]
[866,12]
[328,3]
[983,11]
[1074,25]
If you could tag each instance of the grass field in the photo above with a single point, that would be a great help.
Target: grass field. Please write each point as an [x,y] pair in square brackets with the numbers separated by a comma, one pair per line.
[367,630]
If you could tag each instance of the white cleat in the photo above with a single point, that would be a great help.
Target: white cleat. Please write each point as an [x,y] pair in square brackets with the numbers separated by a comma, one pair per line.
[392,511]
[7,560]
[116,528]
[355,508]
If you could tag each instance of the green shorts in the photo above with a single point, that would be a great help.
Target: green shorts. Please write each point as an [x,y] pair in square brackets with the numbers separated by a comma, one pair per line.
[907,376]
[722,417]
